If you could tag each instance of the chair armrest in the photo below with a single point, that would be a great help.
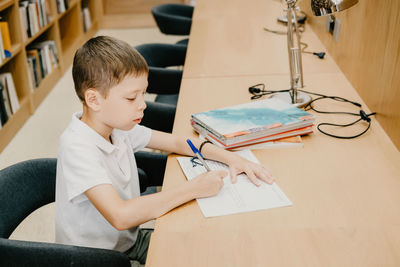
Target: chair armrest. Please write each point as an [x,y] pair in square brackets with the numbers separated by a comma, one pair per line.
[27,253]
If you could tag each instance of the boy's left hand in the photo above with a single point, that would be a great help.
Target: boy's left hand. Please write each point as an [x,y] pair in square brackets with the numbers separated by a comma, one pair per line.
[254,171]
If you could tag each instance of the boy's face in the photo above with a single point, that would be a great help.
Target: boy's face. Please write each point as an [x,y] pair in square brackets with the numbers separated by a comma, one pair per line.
[123,107]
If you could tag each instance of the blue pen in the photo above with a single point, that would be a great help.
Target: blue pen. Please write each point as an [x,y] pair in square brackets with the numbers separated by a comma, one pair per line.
[198,154]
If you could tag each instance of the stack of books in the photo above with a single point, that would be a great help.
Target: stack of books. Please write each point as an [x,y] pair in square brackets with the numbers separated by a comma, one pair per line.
[252,123]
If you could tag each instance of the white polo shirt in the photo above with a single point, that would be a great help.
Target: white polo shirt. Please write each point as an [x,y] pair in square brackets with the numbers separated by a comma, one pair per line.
[86,159]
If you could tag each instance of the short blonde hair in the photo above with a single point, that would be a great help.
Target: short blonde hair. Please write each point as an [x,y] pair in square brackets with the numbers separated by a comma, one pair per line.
[103,62]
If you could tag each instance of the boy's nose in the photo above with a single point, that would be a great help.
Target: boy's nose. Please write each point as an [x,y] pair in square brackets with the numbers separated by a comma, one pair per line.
[142,105]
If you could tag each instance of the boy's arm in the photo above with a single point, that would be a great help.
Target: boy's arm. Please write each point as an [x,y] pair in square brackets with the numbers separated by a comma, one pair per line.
[237,164]
[125,214]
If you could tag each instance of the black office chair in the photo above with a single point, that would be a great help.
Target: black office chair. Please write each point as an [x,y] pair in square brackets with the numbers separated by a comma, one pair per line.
[159,116]
[173,19]
[163,81]
[29,185]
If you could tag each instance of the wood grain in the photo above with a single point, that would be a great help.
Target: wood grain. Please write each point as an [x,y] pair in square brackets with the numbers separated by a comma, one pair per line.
[368,53]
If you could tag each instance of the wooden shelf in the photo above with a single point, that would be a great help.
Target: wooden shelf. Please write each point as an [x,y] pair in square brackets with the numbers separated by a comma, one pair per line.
[36,35]
[66,30]
[14,123]
[5,4]
[15,49]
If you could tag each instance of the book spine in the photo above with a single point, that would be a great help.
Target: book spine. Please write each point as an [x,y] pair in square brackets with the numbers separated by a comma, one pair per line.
[209,129]
[5,35]
[3,103]
[22,16]
[31,73]
[12,93]
[33,25]
[2,54]
[47,10]
[39,13]
[7,105]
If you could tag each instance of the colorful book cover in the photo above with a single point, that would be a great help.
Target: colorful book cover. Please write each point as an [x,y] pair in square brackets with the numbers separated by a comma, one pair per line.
[268,115]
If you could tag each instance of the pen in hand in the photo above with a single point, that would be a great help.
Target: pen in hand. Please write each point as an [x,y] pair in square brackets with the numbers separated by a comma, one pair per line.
[198,154]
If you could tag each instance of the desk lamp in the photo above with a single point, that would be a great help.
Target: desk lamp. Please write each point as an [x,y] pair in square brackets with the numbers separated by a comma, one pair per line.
[319,8]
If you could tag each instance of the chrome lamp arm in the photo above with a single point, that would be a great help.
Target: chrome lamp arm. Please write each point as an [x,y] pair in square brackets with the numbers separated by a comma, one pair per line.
[294,51]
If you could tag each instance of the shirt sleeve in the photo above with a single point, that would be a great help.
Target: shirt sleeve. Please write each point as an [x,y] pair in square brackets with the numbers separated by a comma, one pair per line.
[139,137]
[82,168]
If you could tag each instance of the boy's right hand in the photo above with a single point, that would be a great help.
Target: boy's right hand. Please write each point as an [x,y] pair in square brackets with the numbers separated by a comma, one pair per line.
[208,184]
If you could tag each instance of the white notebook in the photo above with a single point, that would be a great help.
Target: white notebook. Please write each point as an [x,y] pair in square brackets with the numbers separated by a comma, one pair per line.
[243,196]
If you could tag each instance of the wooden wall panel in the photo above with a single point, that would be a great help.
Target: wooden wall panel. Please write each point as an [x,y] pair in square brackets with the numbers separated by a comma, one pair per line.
[368,52]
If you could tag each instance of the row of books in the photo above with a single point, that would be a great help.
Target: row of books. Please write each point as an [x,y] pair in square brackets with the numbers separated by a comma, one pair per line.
[34,14]
[9,103]
[42,60]
[62,6]
[252,123]
[5,41]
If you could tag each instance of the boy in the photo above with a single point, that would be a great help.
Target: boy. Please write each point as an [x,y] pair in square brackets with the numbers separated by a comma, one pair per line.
[98,202]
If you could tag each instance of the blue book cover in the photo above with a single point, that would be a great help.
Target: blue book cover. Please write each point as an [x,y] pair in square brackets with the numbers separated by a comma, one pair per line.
[263,116]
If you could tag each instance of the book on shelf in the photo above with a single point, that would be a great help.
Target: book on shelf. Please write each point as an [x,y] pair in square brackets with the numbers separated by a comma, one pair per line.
[62,6]
[2,52]
[5,107]
[42,60]
[87,21]
[10,93]
[5,37]
[252,123]
[34,67]
[24,22]
[3,114]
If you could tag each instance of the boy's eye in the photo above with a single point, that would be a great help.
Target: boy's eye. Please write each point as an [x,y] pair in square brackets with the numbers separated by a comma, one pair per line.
[131,99]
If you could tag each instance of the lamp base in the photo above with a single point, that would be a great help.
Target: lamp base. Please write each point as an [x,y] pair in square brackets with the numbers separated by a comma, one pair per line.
[302,98]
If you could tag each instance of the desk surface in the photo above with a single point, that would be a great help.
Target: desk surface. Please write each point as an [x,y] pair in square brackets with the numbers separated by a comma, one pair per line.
[226,41]
[345,193]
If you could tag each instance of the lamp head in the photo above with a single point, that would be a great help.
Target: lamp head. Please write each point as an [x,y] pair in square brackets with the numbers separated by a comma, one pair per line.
[327,7]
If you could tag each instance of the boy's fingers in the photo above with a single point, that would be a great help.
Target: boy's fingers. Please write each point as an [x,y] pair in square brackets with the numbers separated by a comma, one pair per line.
[223,174]
[233,175]
[265,176]
[252,177]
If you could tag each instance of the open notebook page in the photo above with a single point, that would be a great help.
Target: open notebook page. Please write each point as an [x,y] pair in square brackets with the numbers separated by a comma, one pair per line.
[243,196]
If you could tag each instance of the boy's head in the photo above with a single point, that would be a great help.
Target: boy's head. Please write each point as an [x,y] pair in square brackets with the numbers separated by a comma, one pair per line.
[103,62]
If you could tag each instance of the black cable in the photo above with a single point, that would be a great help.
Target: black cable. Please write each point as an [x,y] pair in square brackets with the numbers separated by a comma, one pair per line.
[258,91]
[320,55]
[301,28]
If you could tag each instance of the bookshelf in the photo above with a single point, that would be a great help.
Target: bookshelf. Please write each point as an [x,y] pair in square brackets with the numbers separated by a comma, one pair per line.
[66,29]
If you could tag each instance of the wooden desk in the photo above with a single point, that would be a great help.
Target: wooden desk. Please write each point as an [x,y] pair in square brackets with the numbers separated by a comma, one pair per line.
[345,193]
[228,39]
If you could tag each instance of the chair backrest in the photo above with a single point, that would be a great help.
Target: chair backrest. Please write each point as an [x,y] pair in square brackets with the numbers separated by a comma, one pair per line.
[173,18]
[158,57]
[163,55]
[25,187]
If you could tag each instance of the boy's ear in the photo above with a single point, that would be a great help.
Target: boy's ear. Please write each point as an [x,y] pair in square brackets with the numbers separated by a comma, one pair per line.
[92,99]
